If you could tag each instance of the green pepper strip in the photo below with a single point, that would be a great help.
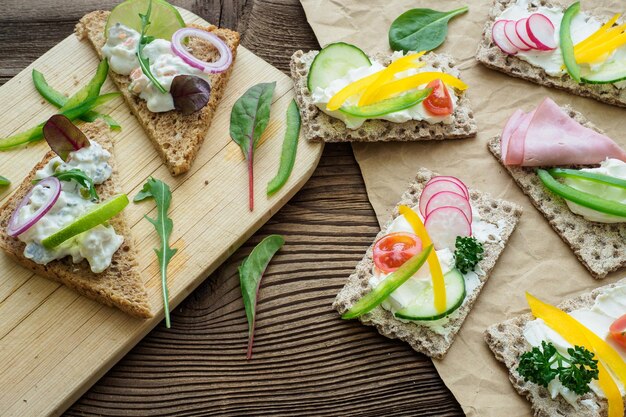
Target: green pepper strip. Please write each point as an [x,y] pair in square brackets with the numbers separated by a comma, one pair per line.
[387,106]
[590,176]
[290,146]
[56,98]
[567,45]
[4,181]
[36,133]
[91,89]
[389,285]
[579,197]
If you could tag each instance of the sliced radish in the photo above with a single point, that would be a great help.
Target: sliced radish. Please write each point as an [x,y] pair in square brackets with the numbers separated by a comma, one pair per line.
[449,199]
[522,33]
[454,180]
[541,31]
[500,39]
[445,224]
[511,35]
[437,187]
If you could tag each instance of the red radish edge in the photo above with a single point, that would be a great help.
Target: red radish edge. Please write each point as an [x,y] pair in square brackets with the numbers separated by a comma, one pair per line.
[499,38]
[522,33]
[426,194]
[451,210]
[451,179]
[466,209]
[511,34]
[541,31]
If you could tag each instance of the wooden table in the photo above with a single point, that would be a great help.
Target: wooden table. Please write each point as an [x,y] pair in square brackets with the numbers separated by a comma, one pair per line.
[307,361]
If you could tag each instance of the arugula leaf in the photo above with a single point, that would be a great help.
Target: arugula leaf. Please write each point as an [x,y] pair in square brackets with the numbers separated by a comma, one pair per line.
[248,119]
[250,275]
[163,197]
[4,181]
[467,254]
[144,39]
[81,178]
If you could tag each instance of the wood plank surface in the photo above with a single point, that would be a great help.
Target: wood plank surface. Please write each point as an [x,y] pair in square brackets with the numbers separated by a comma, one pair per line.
[307,361]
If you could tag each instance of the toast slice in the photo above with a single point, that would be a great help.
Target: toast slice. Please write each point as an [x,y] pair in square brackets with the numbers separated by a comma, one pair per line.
[121,284]
[318,126]
[506,341]
[421,338]
[600,247]
[490,55]
[177,138]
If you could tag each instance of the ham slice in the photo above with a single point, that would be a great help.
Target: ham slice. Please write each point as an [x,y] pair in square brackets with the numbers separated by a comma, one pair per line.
[509,128]
[517,144]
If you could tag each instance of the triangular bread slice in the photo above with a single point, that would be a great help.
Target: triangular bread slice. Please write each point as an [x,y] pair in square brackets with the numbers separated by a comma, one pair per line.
[118,286]
[177,138]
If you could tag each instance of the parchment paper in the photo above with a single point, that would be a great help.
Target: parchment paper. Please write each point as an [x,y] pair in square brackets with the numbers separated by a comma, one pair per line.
[536,259]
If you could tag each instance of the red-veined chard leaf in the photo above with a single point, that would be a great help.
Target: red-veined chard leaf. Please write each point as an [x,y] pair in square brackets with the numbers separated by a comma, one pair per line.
[63,136]
[190,93]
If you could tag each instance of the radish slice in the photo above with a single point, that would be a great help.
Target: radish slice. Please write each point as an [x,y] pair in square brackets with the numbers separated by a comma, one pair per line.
[541,31]
[449,199]
[522,33]
[511,35]
[499,38]
[445,224]
[437,187]
[454,180]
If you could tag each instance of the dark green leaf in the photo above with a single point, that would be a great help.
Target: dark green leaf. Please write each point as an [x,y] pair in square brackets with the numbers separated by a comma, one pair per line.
[421,29]
[468,252]
[290,146]
[63,136]
[190,93]
[81,178]
[250,275]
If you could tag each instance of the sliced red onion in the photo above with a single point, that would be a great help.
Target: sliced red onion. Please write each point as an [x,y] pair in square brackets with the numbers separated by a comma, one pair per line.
[221,65]
[15,228]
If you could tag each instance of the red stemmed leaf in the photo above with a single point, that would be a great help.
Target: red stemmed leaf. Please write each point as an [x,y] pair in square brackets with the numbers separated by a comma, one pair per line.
[190,93]
[63,136]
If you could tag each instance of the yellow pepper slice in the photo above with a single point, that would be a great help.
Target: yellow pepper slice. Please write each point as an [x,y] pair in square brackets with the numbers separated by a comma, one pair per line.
[439,287]
[405,84]
[592,55]
[577,334]
[594,37]
[599,40]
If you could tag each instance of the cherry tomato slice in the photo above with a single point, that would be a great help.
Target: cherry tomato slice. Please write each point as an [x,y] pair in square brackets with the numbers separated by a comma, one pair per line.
[394,249]
[439,102]
[618,331]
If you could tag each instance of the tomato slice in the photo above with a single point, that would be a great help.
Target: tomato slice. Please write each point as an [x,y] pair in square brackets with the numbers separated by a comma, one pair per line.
[439,102]
[394,249]
[617,331]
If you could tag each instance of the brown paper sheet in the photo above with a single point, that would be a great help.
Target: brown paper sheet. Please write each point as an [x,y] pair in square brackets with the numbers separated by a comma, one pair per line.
[536,259]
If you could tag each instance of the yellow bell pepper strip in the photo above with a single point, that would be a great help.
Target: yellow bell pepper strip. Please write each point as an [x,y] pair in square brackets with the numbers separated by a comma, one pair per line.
[577,334]
[405,84]
[595,54]
[439,287]
[595,36]
[599,40]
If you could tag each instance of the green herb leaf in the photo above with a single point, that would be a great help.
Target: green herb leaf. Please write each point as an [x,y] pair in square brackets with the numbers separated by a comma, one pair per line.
[248,120]
[251,273]
[290,146]
[421,29]
[468,252]
[144,62]
[80,177]
[4,181]
[163,197]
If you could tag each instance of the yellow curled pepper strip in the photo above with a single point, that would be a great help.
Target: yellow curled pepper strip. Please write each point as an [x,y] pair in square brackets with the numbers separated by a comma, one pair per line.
[414,81]
[439,287]
[594,54]
[577,334]
[601,39]
[594,37]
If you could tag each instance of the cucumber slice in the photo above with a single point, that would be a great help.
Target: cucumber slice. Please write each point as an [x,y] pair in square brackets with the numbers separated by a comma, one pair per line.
[424,307]
[333,62]
[609,73]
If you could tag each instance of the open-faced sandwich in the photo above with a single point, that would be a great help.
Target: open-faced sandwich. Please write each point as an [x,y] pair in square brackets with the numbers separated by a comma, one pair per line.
[64,222]
[557,47]
[171,75]
[426,268]
[345,95]
[575,176]
[571,360]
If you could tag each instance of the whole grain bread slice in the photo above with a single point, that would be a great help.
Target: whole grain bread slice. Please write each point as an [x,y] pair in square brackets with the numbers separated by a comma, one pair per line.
[118,286]
[490,55]
[601,247]
[506,341]
[176,137]
[318,126]
[421,338]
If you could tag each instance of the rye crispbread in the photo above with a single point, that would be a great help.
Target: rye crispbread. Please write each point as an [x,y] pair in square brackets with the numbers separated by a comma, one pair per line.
[318,126]
[421,338]
[490,55]
[118,286]
[176,137]
[506,341]
[601,247]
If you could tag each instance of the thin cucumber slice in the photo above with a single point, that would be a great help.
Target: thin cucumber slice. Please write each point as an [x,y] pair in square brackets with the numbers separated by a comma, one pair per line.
[424,307]
[390,105]
[609,73]
[333,62]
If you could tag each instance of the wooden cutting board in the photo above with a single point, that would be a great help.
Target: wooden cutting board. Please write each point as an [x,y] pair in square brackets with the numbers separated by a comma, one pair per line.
[54,344]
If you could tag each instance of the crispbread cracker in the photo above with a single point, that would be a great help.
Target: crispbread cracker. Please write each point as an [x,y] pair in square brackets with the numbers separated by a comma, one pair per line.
[506,340]
[421,338]
[317,125]
[176,137]
[492,56]
[121,284]
[601,247]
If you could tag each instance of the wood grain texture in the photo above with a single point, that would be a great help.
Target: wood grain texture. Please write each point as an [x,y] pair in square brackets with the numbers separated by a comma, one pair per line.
[307,361]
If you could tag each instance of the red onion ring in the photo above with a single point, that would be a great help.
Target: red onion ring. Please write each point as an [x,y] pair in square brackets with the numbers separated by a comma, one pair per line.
[14,228]
[221,65]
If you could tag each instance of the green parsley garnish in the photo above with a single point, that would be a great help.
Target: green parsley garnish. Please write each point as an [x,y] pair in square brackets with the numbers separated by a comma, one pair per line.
[468,253]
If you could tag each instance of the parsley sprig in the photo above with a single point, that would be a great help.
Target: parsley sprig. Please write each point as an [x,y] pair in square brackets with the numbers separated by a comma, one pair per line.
[81,178]
[575,372]
[144,39]
[469,251]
